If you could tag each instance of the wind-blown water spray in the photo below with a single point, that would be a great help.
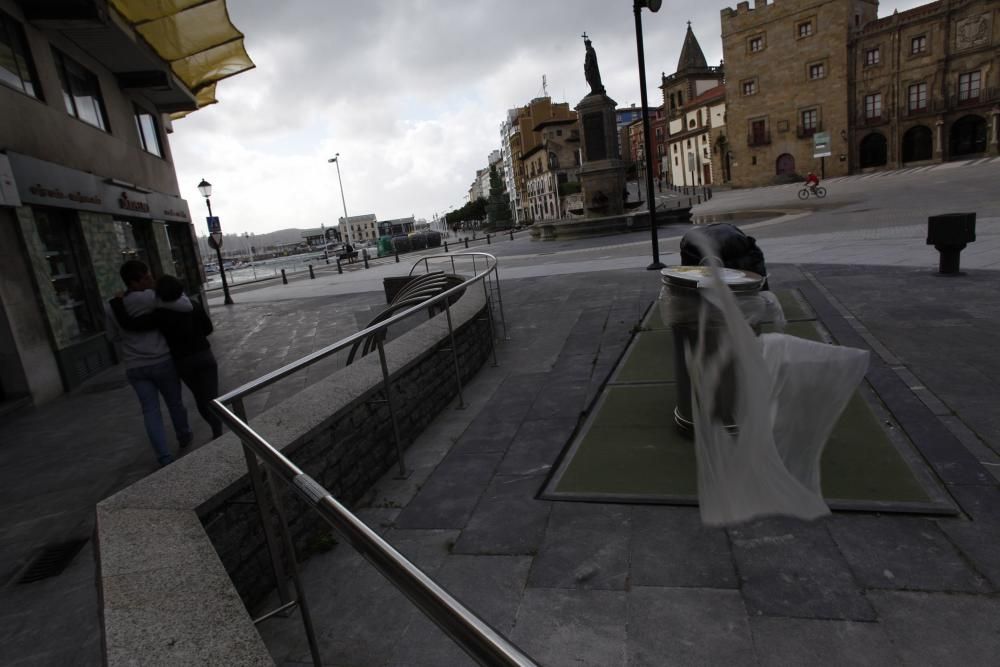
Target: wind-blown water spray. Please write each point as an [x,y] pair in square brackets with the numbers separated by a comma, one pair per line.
[788,394]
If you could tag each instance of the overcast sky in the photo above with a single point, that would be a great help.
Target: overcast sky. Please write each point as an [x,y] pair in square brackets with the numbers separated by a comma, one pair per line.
[411,93]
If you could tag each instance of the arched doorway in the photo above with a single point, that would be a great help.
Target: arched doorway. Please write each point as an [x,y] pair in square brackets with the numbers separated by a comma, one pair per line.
[872,152]
[785,164]
[918,144]
[968,136]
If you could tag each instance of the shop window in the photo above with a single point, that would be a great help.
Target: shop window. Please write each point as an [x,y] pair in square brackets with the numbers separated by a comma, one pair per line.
[81,92]
[148,129]
[872,57]
[70,276]
[969,86]
[918,44]
[17,69]
[917,97]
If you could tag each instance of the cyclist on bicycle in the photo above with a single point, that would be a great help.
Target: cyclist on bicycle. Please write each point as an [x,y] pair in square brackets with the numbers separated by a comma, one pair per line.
[812,181]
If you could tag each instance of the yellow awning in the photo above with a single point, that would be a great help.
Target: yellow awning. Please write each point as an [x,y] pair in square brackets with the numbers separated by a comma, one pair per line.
[196,37]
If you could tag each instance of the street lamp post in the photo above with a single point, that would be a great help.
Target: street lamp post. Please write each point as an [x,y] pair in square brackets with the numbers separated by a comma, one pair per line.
[653,6]
[347,233]
[205,188]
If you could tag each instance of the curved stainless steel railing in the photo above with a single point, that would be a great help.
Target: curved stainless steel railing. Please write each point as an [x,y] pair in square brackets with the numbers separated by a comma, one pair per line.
[483,643]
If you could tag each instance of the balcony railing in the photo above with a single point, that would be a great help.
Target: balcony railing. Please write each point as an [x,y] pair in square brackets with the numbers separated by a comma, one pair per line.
[759,138]
[953,101]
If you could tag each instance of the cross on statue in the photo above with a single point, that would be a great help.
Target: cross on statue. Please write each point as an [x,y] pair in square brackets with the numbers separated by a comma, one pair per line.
[584,35]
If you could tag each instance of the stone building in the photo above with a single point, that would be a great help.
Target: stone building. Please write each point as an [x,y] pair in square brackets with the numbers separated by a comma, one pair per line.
[87,92]
[788,64]
[356,228]
[925,85]
[551,164]
[695,110]
[525,139]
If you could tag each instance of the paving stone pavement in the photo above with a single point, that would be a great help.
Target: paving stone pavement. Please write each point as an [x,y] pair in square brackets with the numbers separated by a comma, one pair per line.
[574,583]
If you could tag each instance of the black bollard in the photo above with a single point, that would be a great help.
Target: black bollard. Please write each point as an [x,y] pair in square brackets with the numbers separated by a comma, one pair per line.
[311,274]
[339,269]
[446,246]
[284,278]
[397,255]
[487,239]
[466,242]
[512,234]
[364,253]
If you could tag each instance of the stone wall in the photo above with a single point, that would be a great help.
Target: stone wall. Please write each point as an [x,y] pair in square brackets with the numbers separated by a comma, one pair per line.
[346,453]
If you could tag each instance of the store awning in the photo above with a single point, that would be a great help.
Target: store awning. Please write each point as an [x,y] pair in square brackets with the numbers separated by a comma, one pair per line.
[196,37]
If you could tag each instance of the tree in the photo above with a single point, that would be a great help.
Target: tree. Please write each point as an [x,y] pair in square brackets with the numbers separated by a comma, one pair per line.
[498,208]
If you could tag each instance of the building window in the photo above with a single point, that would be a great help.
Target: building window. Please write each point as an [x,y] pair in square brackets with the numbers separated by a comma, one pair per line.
[81,92]
[660,150]
[918,44]
[805,29]
[817,71]
[968,86]
[756,44]
[873,106]
[691,123]
[149,135]
[917,94]
[809,122]
[17,70]
[872,57]
[749,87]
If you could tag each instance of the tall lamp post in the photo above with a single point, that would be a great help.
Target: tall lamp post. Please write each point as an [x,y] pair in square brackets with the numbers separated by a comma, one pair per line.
[205,188]
[653,6]
[336,161]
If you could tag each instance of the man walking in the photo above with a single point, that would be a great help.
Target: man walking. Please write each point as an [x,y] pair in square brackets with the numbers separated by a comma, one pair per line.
[148,365]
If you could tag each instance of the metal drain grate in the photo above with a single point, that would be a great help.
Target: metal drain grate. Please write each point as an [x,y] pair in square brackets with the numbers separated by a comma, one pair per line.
[51,561]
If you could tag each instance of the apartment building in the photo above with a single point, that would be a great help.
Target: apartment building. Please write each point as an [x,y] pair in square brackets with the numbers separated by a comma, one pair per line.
[553,162]
[87,90]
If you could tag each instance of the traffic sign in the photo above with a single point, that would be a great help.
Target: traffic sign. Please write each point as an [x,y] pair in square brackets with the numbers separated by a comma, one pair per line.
[215,240]
[213,224]
[821,145]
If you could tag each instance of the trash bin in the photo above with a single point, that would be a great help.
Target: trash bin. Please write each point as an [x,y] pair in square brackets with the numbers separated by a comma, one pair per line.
[680,304]
[735,249]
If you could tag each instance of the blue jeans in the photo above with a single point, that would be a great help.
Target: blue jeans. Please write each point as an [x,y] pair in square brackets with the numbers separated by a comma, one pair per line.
[149,382]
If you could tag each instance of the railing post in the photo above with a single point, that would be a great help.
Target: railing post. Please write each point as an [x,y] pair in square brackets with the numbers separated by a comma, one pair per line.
[454,354]
[312,275]
[387,387]
[259,484]
[489,315]
[284,278]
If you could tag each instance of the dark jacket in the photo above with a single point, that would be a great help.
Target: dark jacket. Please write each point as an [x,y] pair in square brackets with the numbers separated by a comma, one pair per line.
[185,332]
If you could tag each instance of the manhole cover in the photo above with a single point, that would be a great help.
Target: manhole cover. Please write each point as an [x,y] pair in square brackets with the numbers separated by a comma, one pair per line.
[51,561]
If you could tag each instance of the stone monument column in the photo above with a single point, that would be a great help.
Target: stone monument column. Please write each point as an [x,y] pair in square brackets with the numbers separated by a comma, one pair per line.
[602,172]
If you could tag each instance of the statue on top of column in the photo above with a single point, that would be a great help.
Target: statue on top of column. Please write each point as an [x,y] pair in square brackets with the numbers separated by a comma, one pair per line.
[591,70]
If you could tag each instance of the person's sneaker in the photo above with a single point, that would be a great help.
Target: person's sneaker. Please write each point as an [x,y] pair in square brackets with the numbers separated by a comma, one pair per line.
[185,442]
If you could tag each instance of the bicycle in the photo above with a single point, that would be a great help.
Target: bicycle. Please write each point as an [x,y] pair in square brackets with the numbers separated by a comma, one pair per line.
[819,192]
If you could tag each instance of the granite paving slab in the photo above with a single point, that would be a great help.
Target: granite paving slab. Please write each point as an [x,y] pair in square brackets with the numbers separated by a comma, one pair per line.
[670,547]
[509,519]
[687,626]
[794,568]
[585,546]
[780,642]
[449,496]
[579,628]
[903,553]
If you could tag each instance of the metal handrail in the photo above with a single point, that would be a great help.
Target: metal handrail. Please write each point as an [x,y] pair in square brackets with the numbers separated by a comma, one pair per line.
[476,637]
[286,370]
